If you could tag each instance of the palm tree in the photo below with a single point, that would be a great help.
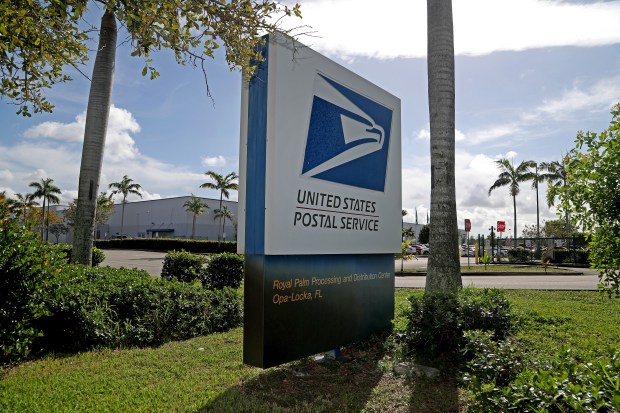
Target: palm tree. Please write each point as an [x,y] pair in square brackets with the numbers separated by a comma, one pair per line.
[25,203]
[99,100]
[444,269]
[555,175]
[511,177]
[46,190]
[224,184]
[196,207]
[223,213]
[536,179]
[125,187]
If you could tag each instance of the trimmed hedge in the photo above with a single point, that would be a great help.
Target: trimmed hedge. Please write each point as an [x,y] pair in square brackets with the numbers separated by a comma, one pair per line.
[169,244]
[567,256]
[109,307]
[183,266]
[223,270]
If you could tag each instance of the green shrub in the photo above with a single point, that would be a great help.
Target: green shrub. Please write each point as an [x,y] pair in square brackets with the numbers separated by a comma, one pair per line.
[568,256]
[519,255]
[435,323]
[564,384]
[182,266]
[490,362]
[94,307]
[223,270]
[97,257]
[26,267]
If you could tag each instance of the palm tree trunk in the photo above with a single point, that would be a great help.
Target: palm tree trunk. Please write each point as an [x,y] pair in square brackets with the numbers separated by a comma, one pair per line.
[444,271]
[514,211]
[122,217]
[94,140]
[43,219]
[47,224]
[193,226]
[537,214]
[219,235]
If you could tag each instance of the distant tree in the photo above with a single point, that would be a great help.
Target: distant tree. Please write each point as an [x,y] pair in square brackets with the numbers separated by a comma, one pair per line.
[196,207]
[531,231]
[444,267]
[592,198]
[223,214]
[555,174]
[402,225]
[47,191]
[536,178]
[57,229]
[224,184]
[556,228]
[423,237]
[125,187]
[25,203]
[105,208]
[409,233]
[511,177]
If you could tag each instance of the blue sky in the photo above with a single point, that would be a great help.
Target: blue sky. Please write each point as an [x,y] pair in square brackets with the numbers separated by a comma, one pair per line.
[529,75]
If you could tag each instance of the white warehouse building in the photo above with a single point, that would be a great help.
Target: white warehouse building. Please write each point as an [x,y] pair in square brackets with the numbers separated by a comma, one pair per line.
[168,218]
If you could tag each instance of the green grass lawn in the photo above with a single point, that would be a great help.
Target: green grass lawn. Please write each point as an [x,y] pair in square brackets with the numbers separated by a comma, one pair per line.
[207,374]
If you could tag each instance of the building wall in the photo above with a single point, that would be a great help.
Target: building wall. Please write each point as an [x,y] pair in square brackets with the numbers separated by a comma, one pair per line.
[167,218]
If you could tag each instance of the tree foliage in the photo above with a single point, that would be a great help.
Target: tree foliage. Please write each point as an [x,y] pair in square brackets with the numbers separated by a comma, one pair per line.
[38,38]
[105,209]
[592,198]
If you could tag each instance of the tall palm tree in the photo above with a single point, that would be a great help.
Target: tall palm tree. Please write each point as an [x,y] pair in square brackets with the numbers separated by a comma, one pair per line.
[222,183]
[511,177]
[555,175]
[125,187]
[223,214]
[536,179]
[99,100]
[47,191]
[196,207]
[444,269]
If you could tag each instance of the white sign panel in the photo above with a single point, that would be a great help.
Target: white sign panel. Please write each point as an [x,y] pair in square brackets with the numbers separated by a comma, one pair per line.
[332,171]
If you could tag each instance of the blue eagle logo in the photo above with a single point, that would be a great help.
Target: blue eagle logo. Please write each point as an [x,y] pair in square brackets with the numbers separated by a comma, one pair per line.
[348,137]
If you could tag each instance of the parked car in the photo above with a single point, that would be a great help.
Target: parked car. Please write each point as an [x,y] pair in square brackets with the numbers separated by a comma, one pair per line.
[467,251]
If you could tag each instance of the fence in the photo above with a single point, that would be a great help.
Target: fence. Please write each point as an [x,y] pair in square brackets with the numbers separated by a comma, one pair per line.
[535,250]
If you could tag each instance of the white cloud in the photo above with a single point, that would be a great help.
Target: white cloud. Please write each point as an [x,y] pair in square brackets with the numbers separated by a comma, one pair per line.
[425,134]
[119,145]
[53,149]
[397,28]
[211,161]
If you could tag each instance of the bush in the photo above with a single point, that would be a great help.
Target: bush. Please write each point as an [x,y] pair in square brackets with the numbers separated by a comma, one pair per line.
[564,384]
[94,307]
[97,257]
[435,323]
[519,255]
[568,256]
[223,270]
[169,244]
[182,266]
[26,267]
[494,363]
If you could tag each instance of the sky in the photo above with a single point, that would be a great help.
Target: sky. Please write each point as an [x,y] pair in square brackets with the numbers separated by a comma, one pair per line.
[530,74]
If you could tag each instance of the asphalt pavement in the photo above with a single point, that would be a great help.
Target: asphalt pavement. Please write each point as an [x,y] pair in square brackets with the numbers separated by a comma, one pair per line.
[576,279]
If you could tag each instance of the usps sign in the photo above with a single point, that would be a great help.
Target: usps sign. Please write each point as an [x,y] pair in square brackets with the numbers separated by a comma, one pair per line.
[320,204]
